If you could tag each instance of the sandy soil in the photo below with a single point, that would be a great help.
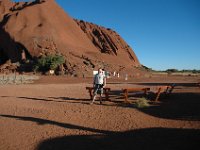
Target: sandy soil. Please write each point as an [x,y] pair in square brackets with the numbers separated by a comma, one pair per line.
[54,114]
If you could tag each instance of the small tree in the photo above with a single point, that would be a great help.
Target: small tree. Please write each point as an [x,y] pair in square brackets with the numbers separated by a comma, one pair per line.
[171,70]
[49,62]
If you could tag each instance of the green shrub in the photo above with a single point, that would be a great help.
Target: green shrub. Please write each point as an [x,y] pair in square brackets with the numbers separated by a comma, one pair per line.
[171,70]
[141,103]
[49,62]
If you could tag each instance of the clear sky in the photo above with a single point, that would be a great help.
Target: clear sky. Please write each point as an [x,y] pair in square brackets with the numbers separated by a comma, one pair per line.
[164,34]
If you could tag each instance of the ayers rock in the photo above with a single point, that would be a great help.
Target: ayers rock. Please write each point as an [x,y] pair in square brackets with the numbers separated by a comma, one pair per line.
[29,30]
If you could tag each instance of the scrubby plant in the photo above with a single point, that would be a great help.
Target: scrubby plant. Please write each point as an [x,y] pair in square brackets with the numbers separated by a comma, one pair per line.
[49,62]
[147,68]
[141,103]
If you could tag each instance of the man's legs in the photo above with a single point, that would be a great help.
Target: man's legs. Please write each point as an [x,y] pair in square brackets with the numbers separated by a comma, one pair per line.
[97,89]
[101,93]
[95,93]
[94,97]
[100,98]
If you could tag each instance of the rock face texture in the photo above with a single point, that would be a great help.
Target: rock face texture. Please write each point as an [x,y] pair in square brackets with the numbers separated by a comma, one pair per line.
[29,30]
[106,40]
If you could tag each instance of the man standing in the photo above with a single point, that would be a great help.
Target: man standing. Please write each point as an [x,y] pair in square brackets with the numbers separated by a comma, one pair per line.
[98,84]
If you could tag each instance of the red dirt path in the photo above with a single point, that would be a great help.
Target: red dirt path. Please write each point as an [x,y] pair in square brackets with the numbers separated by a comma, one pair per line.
[54,114]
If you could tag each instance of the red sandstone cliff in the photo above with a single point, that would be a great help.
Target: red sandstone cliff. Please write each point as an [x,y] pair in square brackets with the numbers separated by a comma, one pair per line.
[107,41]
[42,27]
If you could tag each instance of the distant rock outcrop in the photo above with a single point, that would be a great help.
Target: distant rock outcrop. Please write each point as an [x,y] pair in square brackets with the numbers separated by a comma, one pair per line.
[29,30]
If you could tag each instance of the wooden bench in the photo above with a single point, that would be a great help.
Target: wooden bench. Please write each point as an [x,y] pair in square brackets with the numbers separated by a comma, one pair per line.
[106,92]
[126,91]
[165,90]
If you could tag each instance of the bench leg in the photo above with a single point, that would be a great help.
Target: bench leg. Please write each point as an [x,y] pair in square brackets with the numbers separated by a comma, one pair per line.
[145,93]
[158,95]
[91,94]
[126,96]
[107,95]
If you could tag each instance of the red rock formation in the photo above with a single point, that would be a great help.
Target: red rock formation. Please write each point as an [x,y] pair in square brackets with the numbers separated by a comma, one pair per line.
[42,27]
[107,40]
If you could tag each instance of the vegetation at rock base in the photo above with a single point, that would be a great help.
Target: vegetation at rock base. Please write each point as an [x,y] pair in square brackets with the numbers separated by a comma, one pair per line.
[49,62]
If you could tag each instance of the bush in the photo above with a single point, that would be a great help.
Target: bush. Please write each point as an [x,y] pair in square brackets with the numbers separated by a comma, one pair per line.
[171,70]
[49,62]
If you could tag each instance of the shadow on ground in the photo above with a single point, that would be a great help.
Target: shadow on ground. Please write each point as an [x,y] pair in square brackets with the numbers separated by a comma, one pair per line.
[144,139]
[141,139]
[58,99]
[179,106]
[41,121]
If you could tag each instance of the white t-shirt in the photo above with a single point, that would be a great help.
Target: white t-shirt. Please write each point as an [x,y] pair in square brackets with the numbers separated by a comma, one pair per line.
[99,78]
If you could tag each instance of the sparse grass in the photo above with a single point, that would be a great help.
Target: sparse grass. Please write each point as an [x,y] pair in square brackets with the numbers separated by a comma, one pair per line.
[17,79]
[141,103]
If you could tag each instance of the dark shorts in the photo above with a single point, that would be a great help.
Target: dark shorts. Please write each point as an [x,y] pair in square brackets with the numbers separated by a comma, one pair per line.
[98,89]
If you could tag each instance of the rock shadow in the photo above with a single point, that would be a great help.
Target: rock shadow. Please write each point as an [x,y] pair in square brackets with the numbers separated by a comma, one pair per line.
[9,48]
[21,5]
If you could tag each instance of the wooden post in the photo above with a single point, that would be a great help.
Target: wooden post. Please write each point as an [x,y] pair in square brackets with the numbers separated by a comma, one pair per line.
[158,94]
[107,90]
[146,91]
[90,92]
[126,95]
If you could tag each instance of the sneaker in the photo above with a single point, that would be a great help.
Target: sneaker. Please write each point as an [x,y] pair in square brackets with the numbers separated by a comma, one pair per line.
[91,103]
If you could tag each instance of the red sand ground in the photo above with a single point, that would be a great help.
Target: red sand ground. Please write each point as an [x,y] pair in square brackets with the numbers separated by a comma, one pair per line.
[54,114]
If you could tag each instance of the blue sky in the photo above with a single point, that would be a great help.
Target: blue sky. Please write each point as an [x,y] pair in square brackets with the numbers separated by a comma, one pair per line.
[164,34]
